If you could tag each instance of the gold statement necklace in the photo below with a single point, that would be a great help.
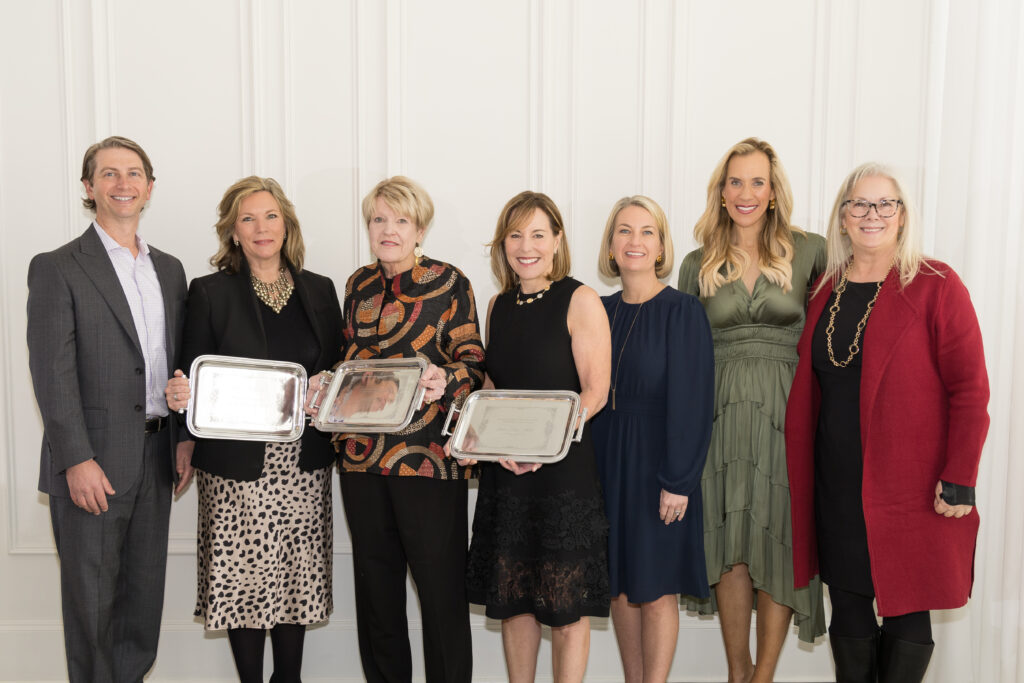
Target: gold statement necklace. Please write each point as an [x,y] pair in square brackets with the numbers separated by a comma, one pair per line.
[274,294]
[855,345]
[615,380]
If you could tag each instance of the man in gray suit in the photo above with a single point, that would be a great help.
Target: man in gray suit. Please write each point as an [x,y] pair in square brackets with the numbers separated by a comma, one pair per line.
[105,314]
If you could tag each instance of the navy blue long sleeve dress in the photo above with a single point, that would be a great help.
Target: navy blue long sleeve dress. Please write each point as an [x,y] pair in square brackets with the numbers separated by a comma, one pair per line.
[656,437]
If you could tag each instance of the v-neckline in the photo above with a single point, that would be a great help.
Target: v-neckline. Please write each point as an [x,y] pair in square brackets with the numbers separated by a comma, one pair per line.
[750,292]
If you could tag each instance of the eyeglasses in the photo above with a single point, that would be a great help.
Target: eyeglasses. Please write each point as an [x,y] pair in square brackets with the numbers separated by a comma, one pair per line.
[858,208]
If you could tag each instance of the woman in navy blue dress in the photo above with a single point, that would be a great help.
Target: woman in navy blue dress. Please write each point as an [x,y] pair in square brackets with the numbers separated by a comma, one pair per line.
[652,438]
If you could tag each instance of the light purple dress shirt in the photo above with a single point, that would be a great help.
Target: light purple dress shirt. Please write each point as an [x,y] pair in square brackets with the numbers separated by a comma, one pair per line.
[146,301]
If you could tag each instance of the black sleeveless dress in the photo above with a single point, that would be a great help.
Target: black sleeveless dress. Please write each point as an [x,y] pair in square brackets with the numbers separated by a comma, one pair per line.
[539,539]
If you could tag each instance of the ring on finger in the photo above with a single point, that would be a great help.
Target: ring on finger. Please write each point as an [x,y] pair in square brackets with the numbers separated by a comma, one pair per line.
[175,397]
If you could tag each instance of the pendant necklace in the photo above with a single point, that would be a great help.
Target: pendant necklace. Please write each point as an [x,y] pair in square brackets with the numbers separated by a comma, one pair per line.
[636,315]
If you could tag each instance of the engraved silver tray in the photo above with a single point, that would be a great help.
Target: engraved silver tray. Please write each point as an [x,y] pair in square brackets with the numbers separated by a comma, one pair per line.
[525,426]
[378,396]
[246,399]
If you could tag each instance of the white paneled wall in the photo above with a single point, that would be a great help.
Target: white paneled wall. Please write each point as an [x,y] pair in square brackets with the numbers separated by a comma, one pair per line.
[588,100]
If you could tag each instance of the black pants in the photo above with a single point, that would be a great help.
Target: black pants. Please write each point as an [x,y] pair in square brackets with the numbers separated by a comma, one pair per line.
[853,616]
[419,523]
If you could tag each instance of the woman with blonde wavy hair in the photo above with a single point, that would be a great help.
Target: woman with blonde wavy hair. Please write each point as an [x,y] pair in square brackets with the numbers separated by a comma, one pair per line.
[274,497]
[752,272]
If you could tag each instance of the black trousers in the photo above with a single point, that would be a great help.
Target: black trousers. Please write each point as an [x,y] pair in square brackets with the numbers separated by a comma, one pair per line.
[853,616]
[112,568]
[420,524]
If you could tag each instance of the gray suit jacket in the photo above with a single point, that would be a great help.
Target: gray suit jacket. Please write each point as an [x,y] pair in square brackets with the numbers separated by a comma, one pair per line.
[86,361]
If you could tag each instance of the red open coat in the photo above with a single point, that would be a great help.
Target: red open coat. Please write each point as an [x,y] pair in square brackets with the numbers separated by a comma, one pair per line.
[923,417]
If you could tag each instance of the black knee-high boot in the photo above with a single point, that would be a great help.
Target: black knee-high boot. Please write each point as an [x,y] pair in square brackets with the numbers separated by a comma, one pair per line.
[902,661]
[856,659]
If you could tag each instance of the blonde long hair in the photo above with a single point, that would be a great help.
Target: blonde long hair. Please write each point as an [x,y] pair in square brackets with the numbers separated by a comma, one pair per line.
[714,229]
[909,258]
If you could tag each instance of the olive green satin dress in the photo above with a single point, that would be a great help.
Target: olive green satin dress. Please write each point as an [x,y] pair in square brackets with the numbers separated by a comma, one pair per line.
[745,483]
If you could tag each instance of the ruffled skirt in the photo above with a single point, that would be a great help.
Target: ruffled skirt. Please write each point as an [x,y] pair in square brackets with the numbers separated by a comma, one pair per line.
[745,484]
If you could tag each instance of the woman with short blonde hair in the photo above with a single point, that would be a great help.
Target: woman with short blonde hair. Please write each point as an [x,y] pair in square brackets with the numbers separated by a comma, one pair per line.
[406,499]
[651,439]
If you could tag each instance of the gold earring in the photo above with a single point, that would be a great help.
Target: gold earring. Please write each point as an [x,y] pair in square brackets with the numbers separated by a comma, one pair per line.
[723,200]
[611,256]
[771,204]
[659,259]
[842,229]
[418,253]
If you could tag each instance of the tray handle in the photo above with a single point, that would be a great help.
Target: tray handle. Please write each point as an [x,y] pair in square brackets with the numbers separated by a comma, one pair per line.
[448,420]
[578,436]
[325,379]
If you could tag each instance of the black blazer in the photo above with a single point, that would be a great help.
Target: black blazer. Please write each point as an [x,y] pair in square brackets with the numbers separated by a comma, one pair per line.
[223,317]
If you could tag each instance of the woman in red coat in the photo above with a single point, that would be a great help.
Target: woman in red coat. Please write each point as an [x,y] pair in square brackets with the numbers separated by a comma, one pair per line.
[884,429]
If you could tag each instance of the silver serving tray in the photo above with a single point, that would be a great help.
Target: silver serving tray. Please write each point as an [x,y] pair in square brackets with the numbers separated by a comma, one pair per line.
[246,399]
[525,426]
[377,396]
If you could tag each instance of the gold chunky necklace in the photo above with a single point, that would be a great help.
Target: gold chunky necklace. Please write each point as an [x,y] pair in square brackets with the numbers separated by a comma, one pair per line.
[855,345]
[274,294]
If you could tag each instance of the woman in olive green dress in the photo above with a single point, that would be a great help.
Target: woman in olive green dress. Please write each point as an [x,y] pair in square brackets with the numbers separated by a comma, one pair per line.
[752,275]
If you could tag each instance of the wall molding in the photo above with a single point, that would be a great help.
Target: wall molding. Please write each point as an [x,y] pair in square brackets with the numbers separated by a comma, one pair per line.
[104,69]
[554,29]
[247,86]
[358,149]
[288,96]
[679,127]
[395,32]
[933,75]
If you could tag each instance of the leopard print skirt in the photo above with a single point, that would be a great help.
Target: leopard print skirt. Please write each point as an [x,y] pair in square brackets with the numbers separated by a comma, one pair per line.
[265,546]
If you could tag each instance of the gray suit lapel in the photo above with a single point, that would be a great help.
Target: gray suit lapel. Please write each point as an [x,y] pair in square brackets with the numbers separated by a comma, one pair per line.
[93,258]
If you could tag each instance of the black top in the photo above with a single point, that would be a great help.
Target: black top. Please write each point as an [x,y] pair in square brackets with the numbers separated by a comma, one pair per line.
[224,316]
[838,463]
[290,337]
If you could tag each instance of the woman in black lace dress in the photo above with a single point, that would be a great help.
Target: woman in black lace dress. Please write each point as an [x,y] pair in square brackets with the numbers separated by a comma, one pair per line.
[539,549]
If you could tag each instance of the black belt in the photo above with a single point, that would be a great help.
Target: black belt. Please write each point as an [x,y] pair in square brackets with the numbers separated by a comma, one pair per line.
[155,424]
